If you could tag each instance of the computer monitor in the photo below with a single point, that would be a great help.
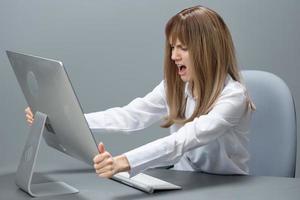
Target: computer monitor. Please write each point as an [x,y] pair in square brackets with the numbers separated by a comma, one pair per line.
[59,118]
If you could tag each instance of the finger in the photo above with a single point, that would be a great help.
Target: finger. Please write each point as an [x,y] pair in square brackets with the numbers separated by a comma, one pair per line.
[106,175]
[29,121]
[101,148]
[107,168]
[28,110]
[29,114]
[104,163]
[101,157]
[98,158]
[30,117]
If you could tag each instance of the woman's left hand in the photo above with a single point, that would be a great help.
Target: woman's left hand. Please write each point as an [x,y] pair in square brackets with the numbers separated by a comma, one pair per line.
[106,166]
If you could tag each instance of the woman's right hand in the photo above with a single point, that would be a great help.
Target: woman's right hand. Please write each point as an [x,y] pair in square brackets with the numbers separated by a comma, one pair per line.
[29,116]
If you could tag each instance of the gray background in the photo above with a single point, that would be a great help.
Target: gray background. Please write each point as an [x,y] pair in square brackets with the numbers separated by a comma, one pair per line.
[113,52]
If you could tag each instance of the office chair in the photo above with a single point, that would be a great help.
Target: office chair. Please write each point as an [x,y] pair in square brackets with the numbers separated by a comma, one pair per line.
[273,129]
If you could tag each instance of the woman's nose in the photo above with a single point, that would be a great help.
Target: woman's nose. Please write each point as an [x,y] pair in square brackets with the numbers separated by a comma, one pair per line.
[175,55]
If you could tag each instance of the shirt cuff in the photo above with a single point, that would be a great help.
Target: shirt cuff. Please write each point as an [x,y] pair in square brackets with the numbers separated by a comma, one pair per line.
[134,170]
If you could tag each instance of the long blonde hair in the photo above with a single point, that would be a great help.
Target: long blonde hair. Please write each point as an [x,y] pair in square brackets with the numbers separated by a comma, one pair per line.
[212,53]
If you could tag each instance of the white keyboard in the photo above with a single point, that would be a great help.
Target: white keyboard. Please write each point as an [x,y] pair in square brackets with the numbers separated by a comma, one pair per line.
[145,182]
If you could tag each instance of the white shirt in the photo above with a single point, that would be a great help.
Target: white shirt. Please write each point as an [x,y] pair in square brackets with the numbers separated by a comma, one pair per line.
[212,143]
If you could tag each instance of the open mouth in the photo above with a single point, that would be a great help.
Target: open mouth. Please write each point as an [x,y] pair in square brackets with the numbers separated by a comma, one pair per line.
[181,69]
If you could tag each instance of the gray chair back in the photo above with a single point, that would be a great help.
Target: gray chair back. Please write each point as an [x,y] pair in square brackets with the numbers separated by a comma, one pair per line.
[273,133]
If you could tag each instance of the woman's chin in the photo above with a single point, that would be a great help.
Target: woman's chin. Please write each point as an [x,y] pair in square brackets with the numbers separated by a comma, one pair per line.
[184,79]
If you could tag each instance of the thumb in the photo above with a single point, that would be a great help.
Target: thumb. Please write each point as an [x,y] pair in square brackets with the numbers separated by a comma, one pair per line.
[101,148]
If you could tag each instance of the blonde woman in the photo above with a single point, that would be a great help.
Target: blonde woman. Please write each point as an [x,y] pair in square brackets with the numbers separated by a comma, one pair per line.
[201,100]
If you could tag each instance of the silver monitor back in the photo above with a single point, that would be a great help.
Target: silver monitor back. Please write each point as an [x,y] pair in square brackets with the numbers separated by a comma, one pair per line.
[47,89]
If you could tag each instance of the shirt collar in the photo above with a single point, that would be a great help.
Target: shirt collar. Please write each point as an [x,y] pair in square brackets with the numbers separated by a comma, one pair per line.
[187,91]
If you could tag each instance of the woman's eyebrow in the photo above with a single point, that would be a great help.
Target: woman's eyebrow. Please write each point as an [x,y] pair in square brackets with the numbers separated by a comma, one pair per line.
[181,46]
[177,45]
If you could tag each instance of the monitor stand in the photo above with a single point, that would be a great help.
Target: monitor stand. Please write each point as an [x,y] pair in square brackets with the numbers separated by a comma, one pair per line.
[25,169]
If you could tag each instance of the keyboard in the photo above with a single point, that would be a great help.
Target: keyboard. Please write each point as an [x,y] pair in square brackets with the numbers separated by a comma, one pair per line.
[145,182]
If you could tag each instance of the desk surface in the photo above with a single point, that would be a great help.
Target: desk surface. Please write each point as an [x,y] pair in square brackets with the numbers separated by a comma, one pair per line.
[195,186]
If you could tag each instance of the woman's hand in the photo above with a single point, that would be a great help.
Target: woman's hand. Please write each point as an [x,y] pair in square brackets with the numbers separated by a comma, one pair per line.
[106,166]
[29,116]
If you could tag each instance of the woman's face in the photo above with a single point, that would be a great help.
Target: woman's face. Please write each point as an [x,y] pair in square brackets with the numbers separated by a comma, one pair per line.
[180,55]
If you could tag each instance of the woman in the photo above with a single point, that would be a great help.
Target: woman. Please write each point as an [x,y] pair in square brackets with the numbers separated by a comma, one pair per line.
[201,100]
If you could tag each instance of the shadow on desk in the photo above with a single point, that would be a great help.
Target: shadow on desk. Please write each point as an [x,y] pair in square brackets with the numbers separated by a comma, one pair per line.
[188,180]
[9,189]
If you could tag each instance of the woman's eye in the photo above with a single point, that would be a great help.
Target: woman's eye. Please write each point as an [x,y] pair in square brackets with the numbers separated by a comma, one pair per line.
[184,48]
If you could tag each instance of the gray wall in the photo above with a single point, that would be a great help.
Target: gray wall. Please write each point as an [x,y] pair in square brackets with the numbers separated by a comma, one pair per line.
[113,52]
